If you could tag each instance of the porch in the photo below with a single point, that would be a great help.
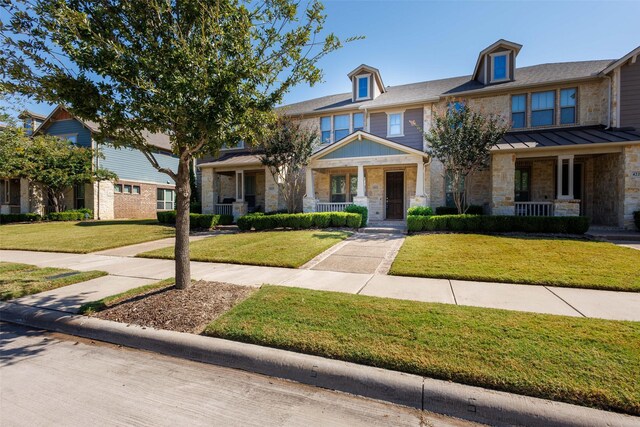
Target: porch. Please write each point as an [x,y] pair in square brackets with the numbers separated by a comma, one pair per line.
[19,196]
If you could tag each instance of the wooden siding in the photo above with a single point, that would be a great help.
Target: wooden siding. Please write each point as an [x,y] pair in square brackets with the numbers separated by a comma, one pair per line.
[132,165]
[363,148]
[412,135]
[630,95]
[71,127]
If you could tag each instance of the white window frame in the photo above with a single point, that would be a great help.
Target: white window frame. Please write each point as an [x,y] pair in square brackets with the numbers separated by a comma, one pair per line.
[133,188]
[238,146]
[358,78]
[332,130]
[115,188]
[493,67]
[364,121]
[164,200]
[393,113]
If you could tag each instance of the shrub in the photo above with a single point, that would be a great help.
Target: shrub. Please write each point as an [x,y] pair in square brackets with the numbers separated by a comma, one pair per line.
[206,221]
[166,217]
[225,220]
[71,215]
[420,211]
[362,210]
[300,221]
[636,219]
[195,207]
[499,224]
[447,210]
[26,217]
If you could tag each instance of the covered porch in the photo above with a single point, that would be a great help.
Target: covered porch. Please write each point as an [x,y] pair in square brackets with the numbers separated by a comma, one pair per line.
[369,171]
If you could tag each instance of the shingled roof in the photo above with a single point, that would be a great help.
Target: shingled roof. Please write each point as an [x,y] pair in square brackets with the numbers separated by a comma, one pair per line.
[433,90]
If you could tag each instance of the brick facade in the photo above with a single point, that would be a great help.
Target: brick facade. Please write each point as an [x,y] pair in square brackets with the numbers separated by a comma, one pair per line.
[139,206]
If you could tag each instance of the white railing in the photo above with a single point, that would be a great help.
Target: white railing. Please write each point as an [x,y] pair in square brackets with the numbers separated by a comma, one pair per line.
[223,209]
[534,208]
[332,207]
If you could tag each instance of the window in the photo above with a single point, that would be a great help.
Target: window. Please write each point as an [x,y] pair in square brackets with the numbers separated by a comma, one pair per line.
[136,189]
[340,127]
[338,188]
[238,145]
[353,186]
[325,129]
[78,195]
[543,108]
[522,184]
[394,126]
[166,199]
[127,189]
[518,111]
[117,188]
[72,138]
[362,87]
[500,64]
[568,106]
[358,121]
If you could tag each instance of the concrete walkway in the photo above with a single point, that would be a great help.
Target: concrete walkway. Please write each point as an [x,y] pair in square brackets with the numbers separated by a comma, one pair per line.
[127,273]
[360,253]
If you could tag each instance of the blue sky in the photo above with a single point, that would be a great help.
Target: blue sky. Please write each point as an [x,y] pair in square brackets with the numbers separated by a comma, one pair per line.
[411,41]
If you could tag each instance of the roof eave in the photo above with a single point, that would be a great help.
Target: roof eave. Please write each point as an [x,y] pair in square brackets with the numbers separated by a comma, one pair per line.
[631,55]
[594,145]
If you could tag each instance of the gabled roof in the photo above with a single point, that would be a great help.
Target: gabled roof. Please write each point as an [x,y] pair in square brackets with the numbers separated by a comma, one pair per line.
[27,113]
[372,70]
[580,135]
[502,42]
[360,135]
[633,56]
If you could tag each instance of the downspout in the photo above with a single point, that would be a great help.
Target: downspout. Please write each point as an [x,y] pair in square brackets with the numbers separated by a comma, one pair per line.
[97,167]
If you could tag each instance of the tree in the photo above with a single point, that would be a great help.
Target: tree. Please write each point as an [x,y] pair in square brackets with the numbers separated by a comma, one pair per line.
[461,139]
[206,73]
[286,152]
[55,163]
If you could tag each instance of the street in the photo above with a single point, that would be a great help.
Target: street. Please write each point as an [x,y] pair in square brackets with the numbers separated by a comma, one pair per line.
[54,379]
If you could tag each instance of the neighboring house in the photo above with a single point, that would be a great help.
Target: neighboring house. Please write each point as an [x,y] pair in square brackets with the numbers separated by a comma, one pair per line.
[573,147]
[139,192]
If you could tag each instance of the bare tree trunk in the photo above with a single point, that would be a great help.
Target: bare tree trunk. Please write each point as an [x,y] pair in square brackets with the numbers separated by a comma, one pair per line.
[183,197]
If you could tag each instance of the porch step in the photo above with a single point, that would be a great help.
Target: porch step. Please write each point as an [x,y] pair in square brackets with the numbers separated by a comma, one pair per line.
[396,229]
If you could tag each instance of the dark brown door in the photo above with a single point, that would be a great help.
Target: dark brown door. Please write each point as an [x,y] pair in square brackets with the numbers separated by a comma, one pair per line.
[395,195]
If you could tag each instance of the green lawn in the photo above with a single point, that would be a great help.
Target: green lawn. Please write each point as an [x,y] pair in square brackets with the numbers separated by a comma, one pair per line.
[80,237]
[590,362]
[538,261]
[17,280]
[272,248]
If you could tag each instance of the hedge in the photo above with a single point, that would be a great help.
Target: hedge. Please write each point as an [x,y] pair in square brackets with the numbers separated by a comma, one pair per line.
[448,210]
[499,224]
[26,217]
[72,215]
[420,211]
[636,219]
[362,210]
[299,221]
[205,221]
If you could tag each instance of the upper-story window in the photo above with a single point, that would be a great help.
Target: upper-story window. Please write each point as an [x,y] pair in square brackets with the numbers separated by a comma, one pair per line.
[518,111]
[499,67]
[325,129]
[340,126]
[72,138]
[236,146]
[358,121]
[394,124]
[567,106]
[362,87]
[543,108]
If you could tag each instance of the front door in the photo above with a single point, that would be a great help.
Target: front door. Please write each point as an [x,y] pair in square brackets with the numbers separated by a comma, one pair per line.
[395,195]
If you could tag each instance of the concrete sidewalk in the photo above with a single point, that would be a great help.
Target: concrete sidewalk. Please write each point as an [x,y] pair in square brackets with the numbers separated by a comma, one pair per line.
[127,273]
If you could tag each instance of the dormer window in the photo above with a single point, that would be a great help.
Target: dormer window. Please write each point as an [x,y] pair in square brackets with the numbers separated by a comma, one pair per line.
[362,87]
[499,67]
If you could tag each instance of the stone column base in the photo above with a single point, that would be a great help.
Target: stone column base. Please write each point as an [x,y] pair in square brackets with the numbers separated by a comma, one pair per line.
[239,209]
[361,201]
[566,207]
[417,201]
[309,204]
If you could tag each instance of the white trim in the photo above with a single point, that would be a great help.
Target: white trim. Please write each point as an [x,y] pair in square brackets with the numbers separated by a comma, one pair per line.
[559,181]
[514,46]
[361,134]
[393,161]
[631,55]
[493,66]
[618,98]
[357,81]
[393,113]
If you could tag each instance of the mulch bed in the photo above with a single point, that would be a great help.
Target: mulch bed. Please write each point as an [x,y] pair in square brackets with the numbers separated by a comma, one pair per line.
[188,310]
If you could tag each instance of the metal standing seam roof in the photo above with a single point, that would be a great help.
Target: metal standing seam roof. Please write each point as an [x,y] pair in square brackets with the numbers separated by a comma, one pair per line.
[241,158]
[583,135]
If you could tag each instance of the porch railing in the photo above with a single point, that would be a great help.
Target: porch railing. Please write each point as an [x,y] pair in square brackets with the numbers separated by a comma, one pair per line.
[223,209]
[534,208]
[332,207]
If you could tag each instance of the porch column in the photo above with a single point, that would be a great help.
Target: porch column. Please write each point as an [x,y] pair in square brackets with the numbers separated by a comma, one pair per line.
[565,160]
[309,202]
[360,181]
[24,195]
[503,169]
[271,192]
[239,207]
[208,191]
[419,199]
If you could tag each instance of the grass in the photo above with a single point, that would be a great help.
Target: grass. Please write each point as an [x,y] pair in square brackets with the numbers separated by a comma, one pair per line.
[272,248]
[80,237]
[104,303]
[589,362]
[17,280]
[529,260]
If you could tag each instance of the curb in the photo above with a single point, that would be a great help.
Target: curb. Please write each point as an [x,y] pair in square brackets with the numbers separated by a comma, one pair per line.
[456,400]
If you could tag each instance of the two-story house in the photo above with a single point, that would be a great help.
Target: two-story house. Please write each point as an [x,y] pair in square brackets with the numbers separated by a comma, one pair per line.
[139,192]
[573,147]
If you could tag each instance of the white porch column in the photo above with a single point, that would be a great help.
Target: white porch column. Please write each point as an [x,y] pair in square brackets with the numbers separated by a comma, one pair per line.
[561,163]
[419,199]
[361,185]
[207,192]
[240,186]
[309,202]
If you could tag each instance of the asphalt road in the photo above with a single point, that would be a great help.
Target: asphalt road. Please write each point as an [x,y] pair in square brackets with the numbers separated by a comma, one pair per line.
[53,379]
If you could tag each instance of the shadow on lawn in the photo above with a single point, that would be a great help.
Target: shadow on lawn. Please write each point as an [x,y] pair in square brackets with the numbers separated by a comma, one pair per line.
[120,222]
[328,235]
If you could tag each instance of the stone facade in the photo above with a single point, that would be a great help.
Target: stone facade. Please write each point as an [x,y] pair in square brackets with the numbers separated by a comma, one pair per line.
[630,185]
[208,190]
[566,207]
[543,184]
[103,201]
[607,189]
[502,184]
